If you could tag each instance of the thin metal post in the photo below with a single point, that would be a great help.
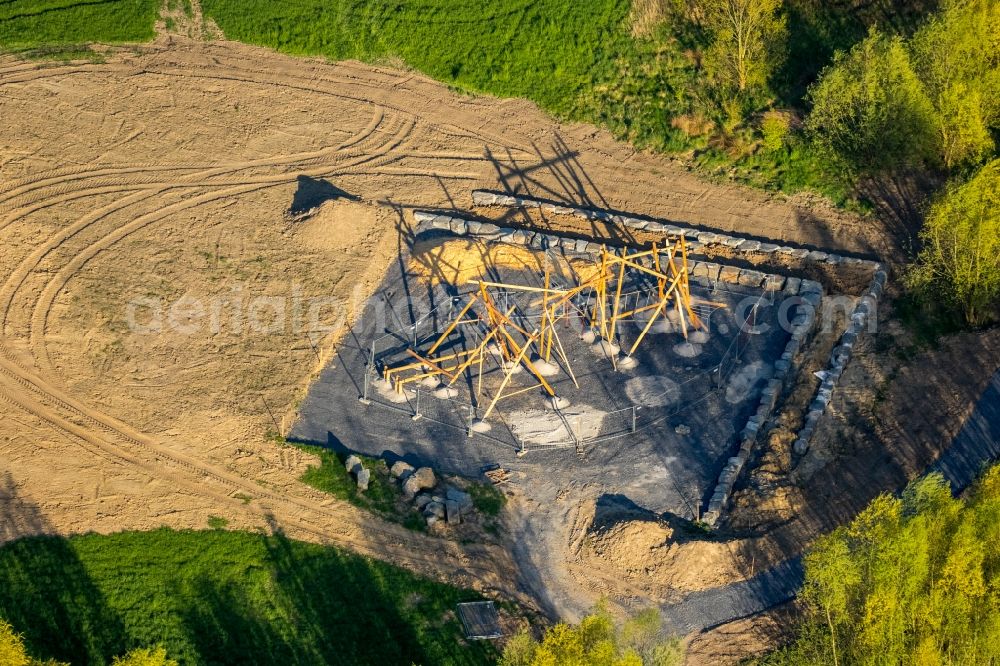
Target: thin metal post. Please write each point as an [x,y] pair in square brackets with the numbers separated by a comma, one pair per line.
[634,409]
[364,397]
[577,436]
[416,412]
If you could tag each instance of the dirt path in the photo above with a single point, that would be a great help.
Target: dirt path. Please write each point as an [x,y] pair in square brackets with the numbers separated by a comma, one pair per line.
[163,174]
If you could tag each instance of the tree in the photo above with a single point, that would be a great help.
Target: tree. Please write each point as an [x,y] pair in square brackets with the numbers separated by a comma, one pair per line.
[960,260]
[775,126]
[13,651]
[957,57]
[912,580]
[832,574]
[145,657]
[596,642]
[870,111]
[747,42]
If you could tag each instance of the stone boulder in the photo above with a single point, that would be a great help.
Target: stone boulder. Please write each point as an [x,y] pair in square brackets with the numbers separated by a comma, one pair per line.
[436,509]
[421,479]
[401,470]
[425,477]
[462,499]
[410,488]
[353,464]
[364,476]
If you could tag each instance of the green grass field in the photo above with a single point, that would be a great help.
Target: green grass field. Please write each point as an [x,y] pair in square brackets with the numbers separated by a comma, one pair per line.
[216,597]
[29,24]
[545,50]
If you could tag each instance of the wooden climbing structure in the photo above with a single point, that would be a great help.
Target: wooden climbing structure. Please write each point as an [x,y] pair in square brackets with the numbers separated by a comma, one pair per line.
[523,333]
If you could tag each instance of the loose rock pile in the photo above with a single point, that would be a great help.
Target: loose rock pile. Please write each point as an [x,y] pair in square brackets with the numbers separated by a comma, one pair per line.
[419,487]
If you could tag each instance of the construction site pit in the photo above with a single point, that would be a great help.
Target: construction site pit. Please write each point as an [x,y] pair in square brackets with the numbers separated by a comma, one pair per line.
[657,428]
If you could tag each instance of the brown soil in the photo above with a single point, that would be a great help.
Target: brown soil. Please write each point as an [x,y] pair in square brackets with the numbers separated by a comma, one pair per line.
[650,553]
[733,642]
[636,558]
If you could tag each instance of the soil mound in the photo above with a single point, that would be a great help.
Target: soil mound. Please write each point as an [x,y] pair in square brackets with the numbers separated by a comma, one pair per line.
[651,553]
[634,546]
[341,225]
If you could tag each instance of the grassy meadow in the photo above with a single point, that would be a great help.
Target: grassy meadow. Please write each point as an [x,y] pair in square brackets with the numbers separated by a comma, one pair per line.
[548,50]
[31,24]
[218,597]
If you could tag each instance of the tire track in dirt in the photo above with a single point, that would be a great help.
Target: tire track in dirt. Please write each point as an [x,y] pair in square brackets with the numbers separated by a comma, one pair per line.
[248,74]
[7,291]
[25,186]
[44,304]
[58,173]
[309,86]
[67,70]
[42,204]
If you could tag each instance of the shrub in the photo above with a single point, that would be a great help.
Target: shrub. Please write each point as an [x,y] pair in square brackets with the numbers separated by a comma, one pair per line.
[487,498]
[870,111]
[774,126]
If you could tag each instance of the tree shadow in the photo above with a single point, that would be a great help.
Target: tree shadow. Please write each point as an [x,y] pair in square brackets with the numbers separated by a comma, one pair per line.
[47,594]
[312,192]
[899,201]
[338,609]
[19,516]
[882,241]
[572,183]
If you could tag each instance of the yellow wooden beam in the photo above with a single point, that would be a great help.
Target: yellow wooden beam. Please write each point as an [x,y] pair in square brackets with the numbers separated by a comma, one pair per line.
[451,327]
[508,373]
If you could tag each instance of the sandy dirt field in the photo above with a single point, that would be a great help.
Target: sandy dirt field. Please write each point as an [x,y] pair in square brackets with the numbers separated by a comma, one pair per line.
[159,313]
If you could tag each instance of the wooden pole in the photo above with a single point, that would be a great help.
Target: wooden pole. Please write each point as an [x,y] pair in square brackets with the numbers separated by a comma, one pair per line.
[452,325]
[508,373]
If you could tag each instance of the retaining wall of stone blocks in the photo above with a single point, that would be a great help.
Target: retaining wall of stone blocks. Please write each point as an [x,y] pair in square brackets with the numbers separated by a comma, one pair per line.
[862,318]
[697,239]
[785,369]
[705,272]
